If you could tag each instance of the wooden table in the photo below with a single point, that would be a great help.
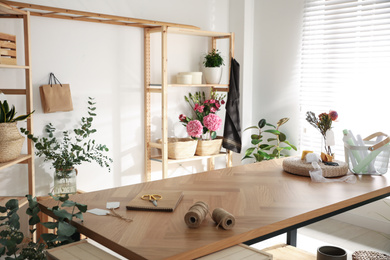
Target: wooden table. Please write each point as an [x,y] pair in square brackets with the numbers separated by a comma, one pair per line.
[265,200]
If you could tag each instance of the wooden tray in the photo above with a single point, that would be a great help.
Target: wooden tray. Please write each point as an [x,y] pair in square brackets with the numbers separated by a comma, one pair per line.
[297,166]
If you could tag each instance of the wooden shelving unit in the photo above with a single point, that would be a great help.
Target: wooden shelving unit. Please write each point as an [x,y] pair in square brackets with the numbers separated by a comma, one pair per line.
[161,89]
[6,12]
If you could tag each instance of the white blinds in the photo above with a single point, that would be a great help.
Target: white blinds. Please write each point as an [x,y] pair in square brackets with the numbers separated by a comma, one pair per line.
[345,66]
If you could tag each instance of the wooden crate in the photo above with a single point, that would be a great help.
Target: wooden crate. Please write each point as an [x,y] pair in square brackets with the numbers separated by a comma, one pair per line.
[284,252]
[7,49]
[240,251]
[79,251]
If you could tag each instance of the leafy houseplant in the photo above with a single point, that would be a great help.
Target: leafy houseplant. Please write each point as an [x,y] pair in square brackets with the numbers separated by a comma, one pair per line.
[213,59]
[213,71]
[11,141]
[12,240]
[272,148]
[68,149]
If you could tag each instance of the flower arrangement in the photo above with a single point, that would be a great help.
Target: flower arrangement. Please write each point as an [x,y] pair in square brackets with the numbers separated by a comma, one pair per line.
[323,124]
[205,120]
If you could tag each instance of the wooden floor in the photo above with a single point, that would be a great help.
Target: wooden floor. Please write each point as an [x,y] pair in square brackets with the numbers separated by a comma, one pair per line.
[333,232]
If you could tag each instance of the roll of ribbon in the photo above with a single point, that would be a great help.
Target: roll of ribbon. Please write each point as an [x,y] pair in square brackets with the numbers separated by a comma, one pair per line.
[223,218]
[196,214]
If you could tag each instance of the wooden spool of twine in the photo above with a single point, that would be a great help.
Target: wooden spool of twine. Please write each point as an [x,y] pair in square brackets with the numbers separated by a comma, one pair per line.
[223,218]
[196,214]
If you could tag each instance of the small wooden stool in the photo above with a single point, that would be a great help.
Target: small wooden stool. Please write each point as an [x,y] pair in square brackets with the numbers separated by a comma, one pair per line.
[79,251]
[284,252]
[238,252]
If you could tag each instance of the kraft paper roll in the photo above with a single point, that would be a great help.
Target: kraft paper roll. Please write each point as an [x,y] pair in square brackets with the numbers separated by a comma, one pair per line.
[196,214]
[223,218]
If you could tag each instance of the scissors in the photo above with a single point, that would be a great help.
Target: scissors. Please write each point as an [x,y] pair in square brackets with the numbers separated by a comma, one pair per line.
[152,198]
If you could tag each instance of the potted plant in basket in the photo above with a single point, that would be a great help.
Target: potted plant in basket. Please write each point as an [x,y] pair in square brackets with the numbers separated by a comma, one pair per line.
[11,141]
[68,149]
[205,123]
[212,67]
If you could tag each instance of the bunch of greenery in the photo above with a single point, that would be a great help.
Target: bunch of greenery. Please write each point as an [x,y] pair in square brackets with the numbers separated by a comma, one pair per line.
[213,59]
[7,113]
[267,151]
[11,238]
[73,147]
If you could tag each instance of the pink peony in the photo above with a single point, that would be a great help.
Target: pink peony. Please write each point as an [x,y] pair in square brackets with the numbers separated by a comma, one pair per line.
[195,128]
[212,122]
[333,115]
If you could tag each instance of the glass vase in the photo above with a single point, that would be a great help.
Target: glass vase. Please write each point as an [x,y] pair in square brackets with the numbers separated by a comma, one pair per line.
[65,181]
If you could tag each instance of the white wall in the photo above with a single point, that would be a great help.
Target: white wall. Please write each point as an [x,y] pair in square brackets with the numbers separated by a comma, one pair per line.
[277,35]
[106,62]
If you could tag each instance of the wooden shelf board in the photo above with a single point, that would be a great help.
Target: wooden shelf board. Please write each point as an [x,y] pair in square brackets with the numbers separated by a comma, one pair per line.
[75,15]
[6,9]
[198,32]
[6,66]
[194,158]
[21,158]
[14,91]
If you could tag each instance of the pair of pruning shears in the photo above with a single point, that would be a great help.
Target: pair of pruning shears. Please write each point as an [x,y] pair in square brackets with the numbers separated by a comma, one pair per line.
[152,198]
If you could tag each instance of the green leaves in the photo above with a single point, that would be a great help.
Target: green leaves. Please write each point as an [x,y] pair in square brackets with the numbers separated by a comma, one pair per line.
[7,115]
[70,148]
[213,59]
[272,149]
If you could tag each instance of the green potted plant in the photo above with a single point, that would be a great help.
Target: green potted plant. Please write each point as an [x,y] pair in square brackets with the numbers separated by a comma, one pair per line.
[11,141]
[212,67]
[67,149]
[273,147]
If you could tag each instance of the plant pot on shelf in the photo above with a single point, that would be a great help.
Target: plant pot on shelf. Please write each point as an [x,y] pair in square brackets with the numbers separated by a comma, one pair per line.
[181,148]
[212,75]
[209,147]
[11,142]
[65,181]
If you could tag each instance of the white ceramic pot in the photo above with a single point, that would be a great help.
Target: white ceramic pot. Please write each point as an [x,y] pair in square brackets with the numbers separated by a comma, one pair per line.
[212,75]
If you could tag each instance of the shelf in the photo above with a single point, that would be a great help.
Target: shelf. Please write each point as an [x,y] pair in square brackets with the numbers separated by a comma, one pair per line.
[20,159]
[194,158]
[156,88]
[196,32]
[6,66]
[14,91]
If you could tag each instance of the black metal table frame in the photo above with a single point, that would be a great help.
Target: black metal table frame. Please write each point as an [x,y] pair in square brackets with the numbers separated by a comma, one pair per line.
[292,231]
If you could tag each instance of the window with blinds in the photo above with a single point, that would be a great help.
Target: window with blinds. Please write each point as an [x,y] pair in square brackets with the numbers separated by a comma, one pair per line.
[345,66]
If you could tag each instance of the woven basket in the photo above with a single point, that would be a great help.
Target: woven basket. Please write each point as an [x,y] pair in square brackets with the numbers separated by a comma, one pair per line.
[299,167]
[209,147]
[11,142]
[369,255]
[181,148]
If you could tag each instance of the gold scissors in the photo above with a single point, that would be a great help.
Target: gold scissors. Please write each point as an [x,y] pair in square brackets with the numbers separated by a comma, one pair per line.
[152,198]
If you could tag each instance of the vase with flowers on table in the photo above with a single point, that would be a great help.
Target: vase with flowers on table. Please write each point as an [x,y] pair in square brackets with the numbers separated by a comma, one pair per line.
[205,123]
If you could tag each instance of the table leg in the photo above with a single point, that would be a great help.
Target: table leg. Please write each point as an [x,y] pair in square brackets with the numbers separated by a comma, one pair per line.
[292,237]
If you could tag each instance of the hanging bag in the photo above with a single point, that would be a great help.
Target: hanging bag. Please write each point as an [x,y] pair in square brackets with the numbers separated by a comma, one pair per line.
[55,96]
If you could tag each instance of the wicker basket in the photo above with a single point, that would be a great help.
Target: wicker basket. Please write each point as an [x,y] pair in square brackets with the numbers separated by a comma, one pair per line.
[369,255]
[181,148]
[11,142]
[296,166]
[209,147]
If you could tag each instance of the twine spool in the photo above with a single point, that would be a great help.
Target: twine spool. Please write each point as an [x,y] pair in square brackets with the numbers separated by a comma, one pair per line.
[196,214]
[223,218]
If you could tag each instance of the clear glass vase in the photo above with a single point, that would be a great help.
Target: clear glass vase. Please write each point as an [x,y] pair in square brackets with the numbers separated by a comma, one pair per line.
[65,181]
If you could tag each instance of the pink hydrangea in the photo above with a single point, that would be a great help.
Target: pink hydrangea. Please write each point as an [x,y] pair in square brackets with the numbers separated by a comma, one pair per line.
[195,128]
[212,122]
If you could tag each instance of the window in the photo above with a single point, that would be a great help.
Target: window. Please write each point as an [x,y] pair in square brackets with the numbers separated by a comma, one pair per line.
[345,66]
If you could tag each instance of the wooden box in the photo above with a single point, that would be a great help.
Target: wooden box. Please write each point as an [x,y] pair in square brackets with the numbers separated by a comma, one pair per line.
[7,49]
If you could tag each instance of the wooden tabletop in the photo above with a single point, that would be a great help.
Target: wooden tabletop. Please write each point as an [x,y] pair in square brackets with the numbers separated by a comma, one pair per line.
[262,197]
